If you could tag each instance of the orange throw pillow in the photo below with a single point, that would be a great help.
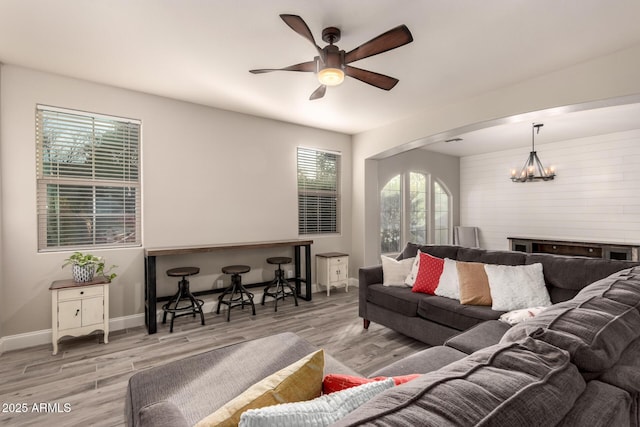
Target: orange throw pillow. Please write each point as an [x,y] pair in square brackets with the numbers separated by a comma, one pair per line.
[337,382]
[474,284]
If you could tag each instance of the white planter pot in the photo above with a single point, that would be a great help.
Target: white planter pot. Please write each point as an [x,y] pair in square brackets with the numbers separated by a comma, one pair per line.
[83,273]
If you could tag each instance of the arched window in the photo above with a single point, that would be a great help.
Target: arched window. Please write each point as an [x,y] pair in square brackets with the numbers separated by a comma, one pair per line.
[390,211]
[441,227]
[413,209]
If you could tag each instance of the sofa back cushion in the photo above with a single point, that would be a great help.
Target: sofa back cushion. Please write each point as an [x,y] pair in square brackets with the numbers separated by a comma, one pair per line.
[516,384]
[574,273]
[491,257]
[594,331]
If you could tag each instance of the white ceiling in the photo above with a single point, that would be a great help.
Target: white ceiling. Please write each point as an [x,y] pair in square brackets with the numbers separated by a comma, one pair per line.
[200,51]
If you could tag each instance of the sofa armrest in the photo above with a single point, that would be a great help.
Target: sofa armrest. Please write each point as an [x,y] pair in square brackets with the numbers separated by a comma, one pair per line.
[162,414]
[367,276]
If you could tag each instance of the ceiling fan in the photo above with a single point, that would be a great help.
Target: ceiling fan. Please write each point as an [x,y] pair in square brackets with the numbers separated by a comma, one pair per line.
[331,64]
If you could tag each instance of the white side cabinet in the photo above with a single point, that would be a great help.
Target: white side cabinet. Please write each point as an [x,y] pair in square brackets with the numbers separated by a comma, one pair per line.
[79,308]
[332,269]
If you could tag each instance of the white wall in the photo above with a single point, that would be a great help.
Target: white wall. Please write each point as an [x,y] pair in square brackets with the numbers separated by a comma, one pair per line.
[601,78]
[593,197]
[209,176]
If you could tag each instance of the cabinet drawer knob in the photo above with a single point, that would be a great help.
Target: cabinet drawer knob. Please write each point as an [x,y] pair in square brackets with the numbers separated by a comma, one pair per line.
[81,292]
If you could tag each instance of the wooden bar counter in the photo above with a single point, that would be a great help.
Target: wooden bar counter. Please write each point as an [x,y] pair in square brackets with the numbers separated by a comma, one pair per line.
[150,254]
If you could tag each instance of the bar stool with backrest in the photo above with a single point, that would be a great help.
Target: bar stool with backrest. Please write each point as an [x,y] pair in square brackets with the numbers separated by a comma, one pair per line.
[280,283]
[236,292]
[183,303]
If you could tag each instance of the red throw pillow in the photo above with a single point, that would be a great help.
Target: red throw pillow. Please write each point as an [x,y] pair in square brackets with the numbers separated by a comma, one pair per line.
[429,274]
[337,382]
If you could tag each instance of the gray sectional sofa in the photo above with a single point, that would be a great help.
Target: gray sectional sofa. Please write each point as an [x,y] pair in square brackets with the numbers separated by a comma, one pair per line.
[575,364]
[433,319]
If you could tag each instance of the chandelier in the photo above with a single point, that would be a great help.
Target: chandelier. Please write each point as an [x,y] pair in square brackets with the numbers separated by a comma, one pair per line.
[532,170]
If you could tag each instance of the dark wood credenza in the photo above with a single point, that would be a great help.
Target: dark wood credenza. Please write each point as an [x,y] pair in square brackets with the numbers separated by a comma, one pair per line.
[607,250]
[150,254]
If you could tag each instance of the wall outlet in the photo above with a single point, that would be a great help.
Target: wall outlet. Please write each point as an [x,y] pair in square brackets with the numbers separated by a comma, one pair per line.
[289,274]
[219,283]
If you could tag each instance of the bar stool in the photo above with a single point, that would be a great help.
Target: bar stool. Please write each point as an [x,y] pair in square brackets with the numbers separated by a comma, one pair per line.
[280,282]
[184,295]
[238,294]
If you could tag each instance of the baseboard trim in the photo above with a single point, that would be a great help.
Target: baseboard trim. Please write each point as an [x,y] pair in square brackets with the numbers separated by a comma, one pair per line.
[31,339]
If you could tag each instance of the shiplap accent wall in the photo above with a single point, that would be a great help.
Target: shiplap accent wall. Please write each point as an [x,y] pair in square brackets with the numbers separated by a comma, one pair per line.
[595,196]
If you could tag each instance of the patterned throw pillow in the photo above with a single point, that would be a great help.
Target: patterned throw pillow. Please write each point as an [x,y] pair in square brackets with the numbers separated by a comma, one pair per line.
[516,316]
[429,272]
[323,411]
[338,382]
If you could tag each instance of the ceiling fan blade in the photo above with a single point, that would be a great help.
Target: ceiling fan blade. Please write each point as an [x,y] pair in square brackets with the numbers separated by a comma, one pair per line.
[396,37]
[318,93]
[298,25]
[374,79]
[309,66]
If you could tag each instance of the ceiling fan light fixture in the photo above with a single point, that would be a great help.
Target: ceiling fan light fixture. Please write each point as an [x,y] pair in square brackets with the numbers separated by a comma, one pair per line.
[331,76]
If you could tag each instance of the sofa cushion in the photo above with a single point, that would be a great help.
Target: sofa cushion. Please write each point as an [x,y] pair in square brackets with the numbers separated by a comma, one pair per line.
[441,251]
[396,299]
[450,312]
[480,336]
[491,257]
[601,405]
[575,272]
[422,362]
[594,332]
[473,283]
[300,381]
[518,384]
[623,287]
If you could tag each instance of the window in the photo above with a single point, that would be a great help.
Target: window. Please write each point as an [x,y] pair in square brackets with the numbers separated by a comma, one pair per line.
[441,214]
[88,180]
[318,191]
[406,201]
[390,211]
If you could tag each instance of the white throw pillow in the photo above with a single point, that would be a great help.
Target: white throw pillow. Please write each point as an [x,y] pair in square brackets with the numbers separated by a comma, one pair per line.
[516,316]
[517,287]
[395,272]
[448,285]
[322,411]
[413,274]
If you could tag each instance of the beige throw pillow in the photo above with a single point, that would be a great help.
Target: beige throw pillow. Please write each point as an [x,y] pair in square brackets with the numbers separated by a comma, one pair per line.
[297,382]
[474,284]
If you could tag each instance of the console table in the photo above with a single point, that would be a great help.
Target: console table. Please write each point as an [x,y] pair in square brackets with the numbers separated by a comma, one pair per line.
[150,255]
[608,250]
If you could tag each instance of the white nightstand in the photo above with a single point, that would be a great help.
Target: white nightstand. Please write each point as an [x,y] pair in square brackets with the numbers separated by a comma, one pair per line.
[332,270]
[79,308]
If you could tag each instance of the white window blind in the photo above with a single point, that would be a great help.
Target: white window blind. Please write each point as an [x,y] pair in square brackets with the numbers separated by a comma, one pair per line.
[318,191]
[88,175]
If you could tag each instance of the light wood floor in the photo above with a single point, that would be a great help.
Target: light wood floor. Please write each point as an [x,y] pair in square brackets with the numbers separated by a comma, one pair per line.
[91,378]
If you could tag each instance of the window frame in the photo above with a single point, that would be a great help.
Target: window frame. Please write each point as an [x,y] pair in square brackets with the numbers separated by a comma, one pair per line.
[322,223]
[99,177]
[405,214]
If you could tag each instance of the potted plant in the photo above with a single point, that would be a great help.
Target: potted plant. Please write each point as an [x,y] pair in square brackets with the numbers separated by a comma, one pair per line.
[85,266]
